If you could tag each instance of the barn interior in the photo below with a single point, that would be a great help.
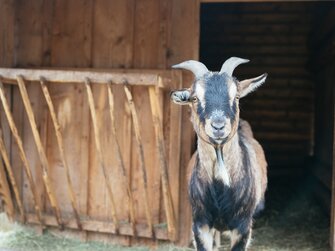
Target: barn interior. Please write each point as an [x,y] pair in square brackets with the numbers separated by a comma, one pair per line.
[292,113]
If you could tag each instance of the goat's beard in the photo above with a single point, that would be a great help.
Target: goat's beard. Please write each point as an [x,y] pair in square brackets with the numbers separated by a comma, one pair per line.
[221,172]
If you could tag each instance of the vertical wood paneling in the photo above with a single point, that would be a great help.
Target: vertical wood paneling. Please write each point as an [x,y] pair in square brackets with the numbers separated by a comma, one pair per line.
[72,33]
[184,45]
[31,150]
[146,35]
[33,30]
[112,48]
[112,40]
[7,24]
[103,34]
[71,47]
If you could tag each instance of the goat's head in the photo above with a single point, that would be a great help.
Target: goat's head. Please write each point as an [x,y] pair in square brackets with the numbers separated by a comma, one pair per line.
[214,98]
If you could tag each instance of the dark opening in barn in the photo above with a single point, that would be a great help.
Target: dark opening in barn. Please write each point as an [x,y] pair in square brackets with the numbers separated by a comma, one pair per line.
[291,114]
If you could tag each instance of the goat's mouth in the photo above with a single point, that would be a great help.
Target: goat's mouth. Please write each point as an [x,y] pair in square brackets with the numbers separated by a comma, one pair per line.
[218,140]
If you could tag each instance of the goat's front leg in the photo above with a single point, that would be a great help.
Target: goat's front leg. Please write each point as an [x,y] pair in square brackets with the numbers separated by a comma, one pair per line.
[203,237]
[240,240]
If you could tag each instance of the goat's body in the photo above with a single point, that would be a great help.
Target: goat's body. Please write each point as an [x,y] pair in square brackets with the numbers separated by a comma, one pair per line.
[221,206]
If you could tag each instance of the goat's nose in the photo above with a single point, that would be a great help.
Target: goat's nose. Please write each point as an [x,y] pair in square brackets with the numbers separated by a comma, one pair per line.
[218,125]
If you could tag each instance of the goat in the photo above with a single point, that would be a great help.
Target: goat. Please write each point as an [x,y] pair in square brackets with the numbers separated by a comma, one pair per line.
[229,177]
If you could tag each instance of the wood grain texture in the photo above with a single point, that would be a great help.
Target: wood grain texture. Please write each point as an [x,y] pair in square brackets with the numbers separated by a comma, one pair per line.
[11,178]
[5,194]
[7,33]
[41,151]
[185,24]
[102,165]
[60,142]
[33,31]
[142,166]
[35,198]
[102,34]
[72,34]
[160,146]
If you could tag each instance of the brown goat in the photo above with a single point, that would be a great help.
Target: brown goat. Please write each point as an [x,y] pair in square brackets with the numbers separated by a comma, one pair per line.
[229,177]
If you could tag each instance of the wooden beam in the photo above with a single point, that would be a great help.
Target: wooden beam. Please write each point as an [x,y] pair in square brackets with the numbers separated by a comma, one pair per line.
[142,230]
[132,77]
[254,1]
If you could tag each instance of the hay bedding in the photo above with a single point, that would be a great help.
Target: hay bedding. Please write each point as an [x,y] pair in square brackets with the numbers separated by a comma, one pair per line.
[293,221]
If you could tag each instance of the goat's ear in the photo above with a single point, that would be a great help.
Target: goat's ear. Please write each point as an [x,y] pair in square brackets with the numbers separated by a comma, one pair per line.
[181,97]
[250,85]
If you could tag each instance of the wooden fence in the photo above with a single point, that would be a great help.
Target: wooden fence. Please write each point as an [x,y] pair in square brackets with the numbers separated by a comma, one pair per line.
[91,150]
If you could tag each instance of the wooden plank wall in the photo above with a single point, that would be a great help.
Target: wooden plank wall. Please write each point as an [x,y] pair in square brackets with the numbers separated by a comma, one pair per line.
[274,36]
[7,21]
[100,34]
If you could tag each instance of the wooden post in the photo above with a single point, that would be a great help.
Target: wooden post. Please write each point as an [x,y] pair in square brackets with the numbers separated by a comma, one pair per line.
[119,157]
[139,146]
[10,173]
[157,121]
[99,151]
[22,154]
[41,151]
[60,143]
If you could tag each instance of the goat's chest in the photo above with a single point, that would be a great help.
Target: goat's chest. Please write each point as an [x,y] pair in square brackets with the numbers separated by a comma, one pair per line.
[222,205]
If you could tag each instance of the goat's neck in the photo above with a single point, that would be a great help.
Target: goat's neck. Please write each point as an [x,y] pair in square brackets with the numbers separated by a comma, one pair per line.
[208,158]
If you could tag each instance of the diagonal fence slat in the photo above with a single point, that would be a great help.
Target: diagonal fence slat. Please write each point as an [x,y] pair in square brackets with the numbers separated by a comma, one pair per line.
[99,150]
[40,149]
[157,121]
[60,144]
[139,146]
[128,225]
[119,156]
[5,194]
[22,153]
[10,173]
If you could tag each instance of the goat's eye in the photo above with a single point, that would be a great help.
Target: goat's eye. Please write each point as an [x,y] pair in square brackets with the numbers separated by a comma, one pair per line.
[237,97]
[194,99]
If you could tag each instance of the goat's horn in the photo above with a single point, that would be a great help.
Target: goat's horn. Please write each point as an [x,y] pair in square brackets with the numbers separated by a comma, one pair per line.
[230,64]
[198,69]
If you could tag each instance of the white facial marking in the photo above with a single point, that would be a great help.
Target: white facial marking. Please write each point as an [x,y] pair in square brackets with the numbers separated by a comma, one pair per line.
[200,92]
[232,93]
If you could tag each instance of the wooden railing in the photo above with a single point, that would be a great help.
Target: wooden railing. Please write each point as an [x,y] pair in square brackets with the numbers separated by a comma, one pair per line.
[155,82]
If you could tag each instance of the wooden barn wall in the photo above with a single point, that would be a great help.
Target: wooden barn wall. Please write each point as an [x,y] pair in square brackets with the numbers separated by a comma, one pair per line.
[274,36]
[98,34]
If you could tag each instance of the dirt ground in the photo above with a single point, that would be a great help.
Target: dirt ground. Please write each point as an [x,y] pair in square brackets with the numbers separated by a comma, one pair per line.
[293,221]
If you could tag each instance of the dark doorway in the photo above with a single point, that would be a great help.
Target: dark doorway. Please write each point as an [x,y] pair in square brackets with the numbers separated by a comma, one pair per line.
[285,113]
